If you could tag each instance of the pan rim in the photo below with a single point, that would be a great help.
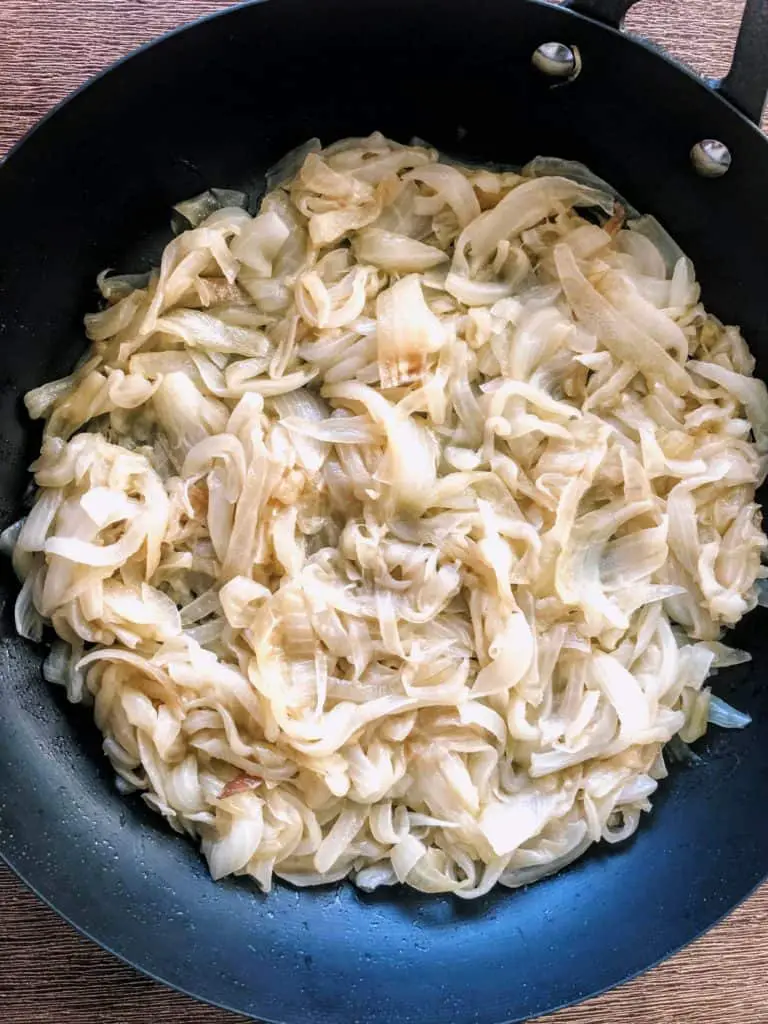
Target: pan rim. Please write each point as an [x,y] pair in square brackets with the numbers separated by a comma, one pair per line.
[171,33]
[223,1005]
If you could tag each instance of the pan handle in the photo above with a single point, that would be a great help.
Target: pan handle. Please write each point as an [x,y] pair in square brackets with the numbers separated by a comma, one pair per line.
[612,12]
[746,84]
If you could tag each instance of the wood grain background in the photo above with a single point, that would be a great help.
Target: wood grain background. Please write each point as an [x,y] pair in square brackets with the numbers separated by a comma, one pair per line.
[51,975]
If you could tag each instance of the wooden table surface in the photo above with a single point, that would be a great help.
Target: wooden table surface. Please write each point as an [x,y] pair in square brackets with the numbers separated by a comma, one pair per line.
[51,975]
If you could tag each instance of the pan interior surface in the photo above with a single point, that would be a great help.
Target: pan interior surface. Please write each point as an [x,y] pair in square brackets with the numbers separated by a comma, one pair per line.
[91,188]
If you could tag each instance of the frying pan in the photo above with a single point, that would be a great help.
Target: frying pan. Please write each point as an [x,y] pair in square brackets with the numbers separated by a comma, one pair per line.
[91,187]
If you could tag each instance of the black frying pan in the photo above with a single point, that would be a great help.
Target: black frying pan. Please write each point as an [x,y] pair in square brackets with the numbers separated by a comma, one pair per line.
[91,187]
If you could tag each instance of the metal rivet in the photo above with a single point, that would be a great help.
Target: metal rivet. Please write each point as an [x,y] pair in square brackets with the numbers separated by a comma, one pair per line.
[557,60]
[710,158]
